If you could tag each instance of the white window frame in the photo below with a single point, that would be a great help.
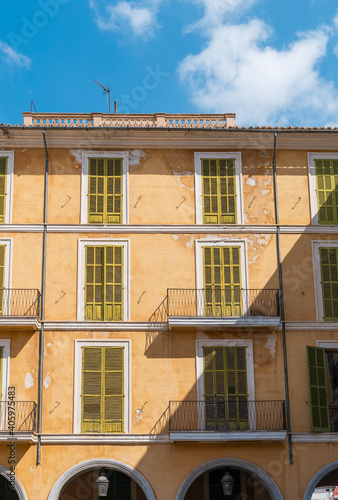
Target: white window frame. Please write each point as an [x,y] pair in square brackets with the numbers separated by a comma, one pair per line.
[221,243]
[82,244]
[250,372]
[312,157]
[79,344]
[316,245]
[9,185]
[6,344]
[84,181]
[198,183]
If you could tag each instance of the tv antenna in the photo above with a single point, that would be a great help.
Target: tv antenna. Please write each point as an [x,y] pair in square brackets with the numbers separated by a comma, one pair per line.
[105,89]
[33,107]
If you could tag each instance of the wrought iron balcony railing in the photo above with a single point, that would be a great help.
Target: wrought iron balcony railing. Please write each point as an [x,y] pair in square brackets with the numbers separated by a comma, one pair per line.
[227,414]
[18,416]
[222,302]
[20,302]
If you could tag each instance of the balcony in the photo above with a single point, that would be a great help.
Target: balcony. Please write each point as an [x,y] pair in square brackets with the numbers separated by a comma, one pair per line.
[219,307]
[18,421]
[227,419]
[19,307]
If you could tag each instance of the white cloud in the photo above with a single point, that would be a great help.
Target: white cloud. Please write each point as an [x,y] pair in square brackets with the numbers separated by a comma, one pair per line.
[14,56]
[139,17]
[239,72]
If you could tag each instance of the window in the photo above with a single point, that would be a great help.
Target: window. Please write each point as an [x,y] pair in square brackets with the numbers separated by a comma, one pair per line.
[323,386]
[225,382]
[101,386]
[6,182]
[221,274]
[104,188]
[103,280]
[218,188]
[325,259]
[225,388]
[323,169]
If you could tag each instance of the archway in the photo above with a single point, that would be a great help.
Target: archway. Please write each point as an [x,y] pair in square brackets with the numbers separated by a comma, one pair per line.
[261,485]
[327,476]
[6,493]
[81,477]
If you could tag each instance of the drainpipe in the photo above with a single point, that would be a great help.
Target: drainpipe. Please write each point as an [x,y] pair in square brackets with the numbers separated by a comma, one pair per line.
[43,295]
[287,397]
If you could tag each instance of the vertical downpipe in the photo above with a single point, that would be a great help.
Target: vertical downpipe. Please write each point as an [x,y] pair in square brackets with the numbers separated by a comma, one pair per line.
[43,295]
[281,296]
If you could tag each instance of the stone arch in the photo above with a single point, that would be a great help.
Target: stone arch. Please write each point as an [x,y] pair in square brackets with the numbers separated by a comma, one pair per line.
[19,490]
[318,477]
[268,482]
[97,463]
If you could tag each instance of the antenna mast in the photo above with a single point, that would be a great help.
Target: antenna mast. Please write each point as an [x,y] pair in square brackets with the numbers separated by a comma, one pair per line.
[107,92]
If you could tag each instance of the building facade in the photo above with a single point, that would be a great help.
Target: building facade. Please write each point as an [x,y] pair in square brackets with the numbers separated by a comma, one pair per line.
[169,308]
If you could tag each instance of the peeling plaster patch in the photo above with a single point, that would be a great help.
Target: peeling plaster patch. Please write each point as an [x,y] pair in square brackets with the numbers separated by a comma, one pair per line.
[258,243]
[256,365]
[246,218]
[47,381]
[267,181]
[28,381]
[78,155]
[266,211]
[190,243]
[265,191]
[251,181]
[271,344]
[135,157]
[264,153]
[177,177]
[49,344]
[24,150]
[175,236]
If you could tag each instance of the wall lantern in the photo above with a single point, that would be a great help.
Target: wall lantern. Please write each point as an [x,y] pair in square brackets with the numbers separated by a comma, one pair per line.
[102,484]
[227,483]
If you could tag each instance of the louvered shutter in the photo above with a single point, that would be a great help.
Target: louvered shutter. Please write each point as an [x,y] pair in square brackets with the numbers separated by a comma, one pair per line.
[329,275]
[114,389]
[225,388]
[91,389]
[102,389]
[219,191]
[327,191]
[2,277]
[320,421]
[104,283]
[222,281]
[105,190]
[3,178]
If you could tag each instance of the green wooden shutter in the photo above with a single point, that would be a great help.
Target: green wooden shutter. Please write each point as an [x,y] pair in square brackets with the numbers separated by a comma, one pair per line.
[222,281]
[225,387]
[327,191]
[329,276]
[102,389]
[219,191]
[320,421]
[2,276]
[3,179]
[104,283]
[105,190]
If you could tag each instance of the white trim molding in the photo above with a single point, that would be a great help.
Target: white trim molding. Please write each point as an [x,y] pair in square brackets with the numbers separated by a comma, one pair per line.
[223,437]
[333,466]
[312,157]
[9,185]
[82,244]
[79,344]
[98,463]
[6,345]
[198,182]
[86,155]
[101,439]
[18,488]
[235,463]
[316,245]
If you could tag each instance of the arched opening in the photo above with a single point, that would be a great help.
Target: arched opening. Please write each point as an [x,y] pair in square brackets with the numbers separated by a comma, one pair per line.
[6,490]
[324,485]
[79,482]
[250,482]
[84,486]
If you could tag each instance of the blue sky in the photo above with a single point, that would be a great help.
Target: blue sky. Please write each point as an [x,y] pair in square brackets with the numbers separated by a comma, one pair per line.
[272,62]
